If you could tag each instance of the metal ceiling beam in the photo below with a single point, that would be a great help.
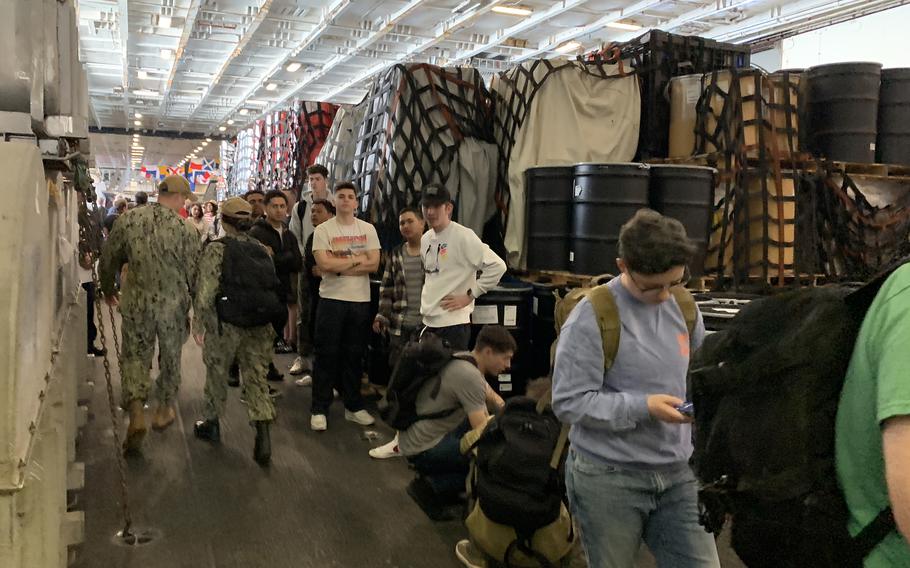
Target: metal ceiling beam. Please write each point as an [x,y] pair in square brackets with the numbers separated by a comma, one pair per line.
[442,33]
[328,15]
[188,25]
[247,36]
[582,31]
[712,9]
[389,23]
[522,26]
[788,14]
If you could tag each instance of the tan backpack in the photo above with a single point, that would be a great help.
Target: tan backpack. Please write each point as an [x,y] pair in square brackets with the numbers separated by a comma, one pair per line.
[608,315]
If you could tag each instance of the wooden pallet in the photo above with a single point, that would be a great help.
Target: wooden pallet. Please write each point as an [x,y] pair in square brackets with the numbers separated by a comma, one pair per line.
[880,170]
[555,277]
[759,283]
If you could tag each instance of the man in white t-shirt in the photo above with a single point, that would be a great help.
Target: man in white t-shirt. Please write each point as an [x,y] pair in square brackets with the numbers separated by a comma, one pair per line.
[301,225]
[459,268]
[346,251]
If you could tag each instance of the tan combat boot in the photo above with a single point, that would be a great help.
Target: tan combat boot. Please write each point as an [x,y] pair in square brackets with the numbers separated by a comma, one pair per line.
[164,417]
[137,429]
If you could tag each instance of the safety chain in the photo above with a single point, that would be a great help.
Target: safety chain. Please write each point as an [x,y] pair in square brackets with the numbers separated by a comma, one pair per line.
[90,243]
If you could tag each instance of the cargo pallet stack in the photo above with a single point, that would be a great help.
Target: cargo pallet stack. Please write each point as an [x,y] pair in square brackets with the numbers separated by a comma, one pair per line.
[784,216]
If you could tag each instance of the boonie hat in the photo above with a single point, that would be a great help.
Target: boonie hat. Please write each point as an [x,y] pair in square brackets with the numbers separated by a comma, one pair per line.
[435,194]
[177,184]
[236,207]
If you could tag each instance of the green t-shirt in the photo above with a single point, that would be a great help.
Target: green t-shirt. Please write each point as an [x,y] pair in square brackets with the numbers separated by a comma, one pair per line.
[877,388]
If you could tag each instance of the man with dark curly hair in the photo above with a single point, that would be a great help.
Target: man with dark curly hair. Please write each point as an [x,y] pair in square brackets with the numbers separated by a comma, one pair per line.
[627,474]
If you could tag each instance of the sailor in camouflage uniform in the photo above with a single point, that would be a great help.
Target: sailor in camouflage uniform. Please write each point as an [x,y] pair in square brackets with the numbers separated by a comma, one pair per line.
[223,343]
[161,251]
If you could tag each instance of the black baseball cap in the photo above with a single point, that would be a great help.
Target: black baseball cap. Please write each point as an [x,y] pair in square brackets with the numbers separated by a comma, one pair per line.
[435,194]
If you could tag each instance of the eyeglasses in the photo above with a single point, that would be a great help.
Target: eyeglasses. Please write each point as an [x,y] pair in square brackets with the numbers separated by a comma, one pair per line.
[426,260]
[660,288]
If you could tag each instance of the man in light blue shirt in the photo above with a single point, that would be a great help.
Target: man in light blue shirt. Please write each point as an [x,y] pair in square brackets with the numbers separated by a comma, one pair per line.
[627,475]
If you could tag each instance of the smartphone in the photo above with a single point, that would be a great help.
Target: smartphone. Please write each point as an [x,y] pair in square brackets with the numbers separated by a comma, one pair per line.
[686,409]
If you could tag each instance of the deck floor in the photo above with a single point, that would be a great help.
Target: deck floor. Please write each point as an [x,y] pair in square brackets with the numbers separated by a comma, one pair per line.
[323,502]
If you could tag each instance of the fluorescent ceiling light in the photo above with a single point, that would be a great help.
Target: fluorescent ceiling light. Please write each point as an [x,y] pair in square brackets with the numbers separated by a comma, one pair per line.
[243,112]
[513,10]
[293,67]
[143,74]
[205,144]
[271,87]
[567,47]
[138,115]
[145,93]
[208,139]
[164,21]
[229,122]
[620,26]
[222,128]
[137,122]
[166,53]
[256,102]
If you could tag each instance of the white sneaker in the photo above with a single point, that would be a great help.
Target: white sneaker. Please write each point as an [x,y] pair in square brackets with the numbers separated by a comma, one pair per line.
[468,555]
[304,381]
[299,367]
[361,417]
[318,423]
[386,451]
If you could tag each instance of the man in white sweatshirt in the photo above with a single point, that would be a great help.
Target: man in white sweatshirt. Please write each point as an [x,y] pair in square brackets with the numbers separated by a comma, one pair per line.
[459,268]
[301,225]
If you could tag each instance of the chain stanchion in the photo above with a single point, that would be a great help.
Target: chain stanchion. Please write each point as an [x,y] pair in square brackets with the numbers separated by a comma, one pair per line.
[89,241]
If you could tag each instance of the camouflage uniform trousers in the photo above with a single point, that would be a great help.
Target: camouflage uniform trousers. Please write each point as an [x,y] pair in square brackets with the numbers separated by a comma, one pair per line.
[252,349]
[141,327]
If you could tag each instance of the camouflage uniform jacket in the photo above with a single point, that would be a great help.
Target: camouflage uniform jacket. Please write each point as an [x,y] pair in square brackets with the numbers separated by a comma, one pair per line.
[208,283]
[162,253]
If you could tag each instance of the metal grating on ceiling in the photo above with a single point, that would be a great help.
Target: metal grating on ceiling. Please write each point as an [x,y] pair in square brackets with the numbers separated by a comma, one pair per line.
[195,65]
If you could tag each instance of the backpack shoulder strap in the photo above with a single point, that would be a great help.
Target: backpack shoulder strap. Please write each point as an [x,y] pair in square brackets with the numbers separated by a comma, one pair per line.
[687,305]
[607,313]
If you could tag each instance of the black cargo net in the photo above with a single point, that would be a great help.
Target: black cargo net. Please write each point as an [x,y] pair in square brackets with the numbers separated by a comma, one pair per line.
[513,92]
[860,238]
[656,57]
[406,134]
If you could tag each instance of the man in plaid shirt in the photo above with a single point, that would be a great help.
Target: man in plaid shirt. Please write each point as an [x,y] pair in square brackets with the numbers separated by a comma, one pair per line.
[399,299]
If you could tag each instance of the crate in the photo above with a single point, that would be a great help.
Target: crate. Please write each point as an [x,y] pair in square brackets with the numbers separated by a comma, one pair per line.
[657,57]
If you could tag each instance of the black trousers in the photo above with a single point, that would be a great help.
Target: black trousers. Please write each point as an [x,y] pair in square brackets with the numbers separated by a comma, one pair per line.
[89,288]
[457,336]
[340,343]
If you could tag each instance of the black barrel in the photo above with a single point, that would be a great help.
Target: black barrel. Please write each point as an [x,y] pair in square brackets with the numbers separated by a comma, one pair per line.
[686,193]
[548,191]
[543,330]
[843,110]
[508,304]
[605,196]
[893,146]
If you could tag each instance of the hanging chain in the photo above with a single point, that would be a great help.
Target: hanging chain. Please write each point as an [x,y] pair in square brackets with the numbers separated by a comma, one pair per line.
[90,244]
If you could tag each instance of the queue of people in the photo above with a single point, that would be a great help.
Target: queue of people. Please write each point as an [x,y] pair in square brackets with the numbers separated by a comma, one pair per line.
[282,276]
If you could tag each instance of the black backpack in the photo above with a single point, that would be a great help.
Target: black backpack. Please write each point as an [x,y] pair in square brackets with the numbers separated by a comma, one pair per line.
[419,363]
[518,479]
[248,293]
[766,393]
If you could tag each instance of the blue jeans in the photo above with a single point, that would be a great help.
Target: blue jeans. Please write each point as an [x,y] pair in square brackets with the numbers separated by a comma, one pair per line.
[444,466]
[618,508]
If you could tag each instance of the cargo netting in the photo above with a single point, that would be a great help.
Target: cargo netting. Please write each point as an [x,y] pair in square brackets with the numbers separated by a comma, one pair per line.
[275,151]
[407,133]
[656,57]
[513,93]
